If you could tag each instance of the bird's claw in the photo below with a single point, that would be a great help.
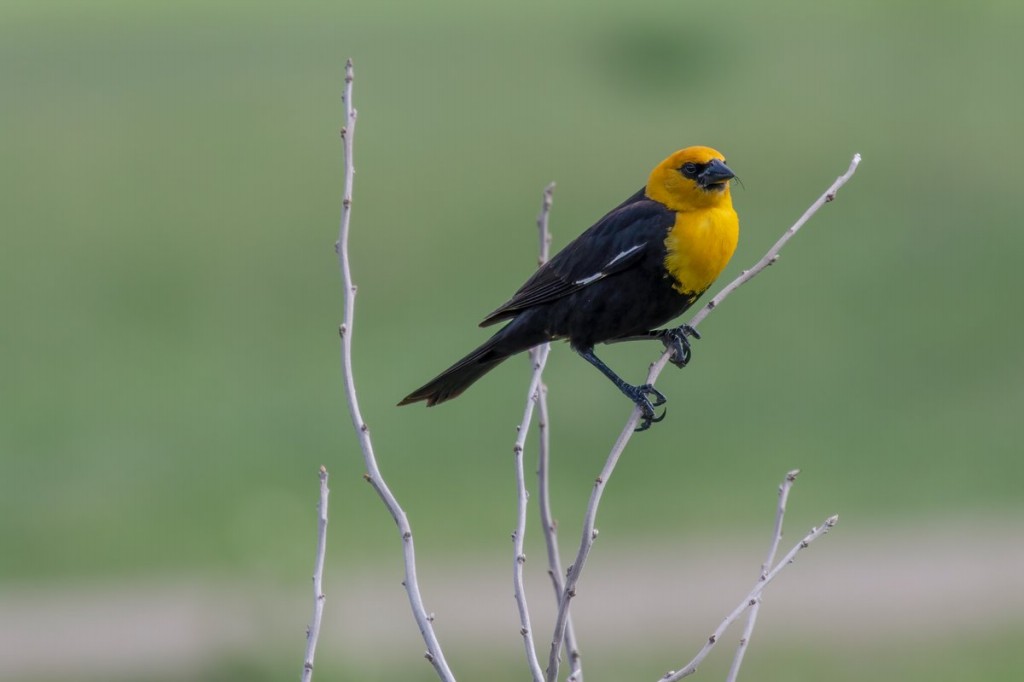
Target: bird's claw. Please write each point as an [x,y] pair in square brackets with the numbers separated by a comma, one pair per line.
[675,340]
[647,420]
[648,416]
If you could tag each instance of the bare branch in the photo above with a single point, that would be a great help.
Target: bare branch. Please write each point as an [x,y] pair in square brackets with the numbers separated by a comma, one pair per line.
[587,541]
[543,232]
[589,533]
[748,631]
[748,601]
[373,475]
[313,633]
[548,524]
[538,358]
[550,529]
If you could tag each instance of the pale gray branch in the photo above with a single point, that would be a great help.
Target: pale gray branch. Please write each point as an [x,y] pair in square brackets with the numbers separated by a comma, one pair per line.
[587,541]
[313,633]
[373,475]
[548,524]
[534,396]
[748,601]
[748,630]
[550,529]
[539,357]
[543,233]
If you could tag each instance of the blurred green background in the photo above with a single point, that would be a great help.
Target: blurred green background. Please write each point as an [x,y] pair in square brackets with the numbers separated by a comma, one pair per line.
[170,191]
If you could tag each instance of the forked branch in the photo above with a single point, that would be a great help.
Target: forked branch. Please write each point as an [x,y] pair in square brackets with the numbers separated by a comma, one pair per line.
[535,396]
[752,598]
[755,608]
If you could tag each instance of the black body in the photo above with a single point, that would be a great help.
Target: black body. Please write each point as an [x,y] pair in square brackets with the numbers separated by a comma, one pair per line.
[610,283]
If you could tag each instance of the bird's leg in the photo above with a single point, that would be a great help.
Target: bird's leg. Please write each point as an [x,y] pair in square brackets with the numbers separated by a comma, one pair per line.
[674,339]
[638,394]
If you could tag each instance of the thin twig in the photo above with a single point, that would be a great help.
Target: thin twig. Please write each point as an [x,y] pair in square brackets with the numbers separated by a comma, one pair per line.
[748,601]
[313,633]
[589,533]
[538,358]
[550,529]
[548,524]
[373,475]
[748,631]
[543,233]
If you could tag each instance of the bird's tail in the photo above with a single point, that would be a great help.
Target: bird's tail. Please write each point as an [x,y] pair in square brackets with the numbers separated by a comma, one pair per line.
[511,339]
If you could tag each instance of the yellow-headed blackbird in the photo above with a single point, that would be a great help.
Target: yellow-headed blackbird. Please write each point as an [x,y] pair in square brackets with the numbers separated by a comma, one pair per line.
[638,267]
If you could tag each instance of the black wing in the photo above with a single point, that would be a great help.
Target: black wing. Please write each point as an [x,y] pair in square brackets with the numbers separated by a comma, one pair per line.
[615,243]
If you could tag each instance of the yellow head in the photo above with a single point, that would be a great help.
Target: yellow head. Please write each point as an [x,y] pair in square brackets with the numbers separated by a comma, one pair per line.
[691,179]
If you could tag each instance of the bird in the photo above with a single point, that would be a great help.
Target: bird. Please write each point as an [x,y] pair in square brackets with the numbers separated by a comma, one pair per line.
[636,269]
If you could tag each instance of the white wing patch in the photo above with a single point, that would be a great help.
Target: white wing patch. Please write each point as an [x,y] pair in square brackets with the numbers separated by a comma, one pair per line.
[588,280]
[622,255]
[601,275]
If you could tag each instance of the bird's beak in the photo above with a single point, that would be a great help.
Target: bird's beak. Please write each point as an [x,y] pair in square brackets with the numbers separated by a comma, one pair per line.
[715,175]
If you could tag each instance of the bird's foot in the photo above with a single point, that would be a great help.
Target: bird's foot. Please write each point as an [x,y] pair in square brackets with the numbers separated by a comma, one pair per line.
[642,396]
[675,340]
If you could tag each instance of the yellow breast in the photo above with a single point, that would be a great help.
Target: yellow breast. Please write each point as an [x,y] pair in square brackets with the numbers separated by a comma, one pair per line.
[700,245]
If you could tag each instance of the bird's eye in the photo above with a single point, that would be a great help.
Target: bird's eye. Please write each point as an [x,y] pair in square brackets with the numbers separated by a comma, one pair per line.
[689,169]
